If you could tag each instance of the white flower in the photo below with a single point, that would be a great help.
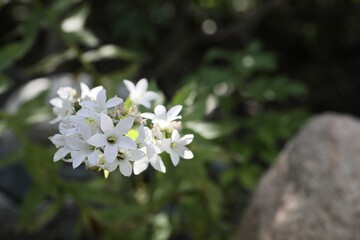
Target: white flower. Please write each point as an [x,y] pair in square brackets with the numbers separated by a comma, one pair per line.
[107,135]
[123,161]
[149,157]
[176,147]
[87,93]
[82,150]
[139,94]
[100,105]
[147,137]
[152,149]
[163,118]
[63,106]
[67,93]
[112,138]
[64,149]
[67,126]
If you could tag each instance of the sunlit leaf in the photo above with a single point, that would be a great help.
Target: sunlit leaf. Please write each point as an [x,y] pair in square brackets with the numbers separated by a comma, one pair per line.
[133,134]
[86,37]
[211,130]
[76,21]
[109,52]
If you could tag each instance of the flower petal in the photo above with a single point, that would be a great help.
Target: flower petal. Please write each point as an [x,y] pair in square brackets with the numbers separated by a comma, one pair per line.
[173,112]
[125,168]
[187,154]
[164,145]
[56,102]
[84,130]
[129,85]
[112,102]
[58,140]
[148,115]
[61,153]
[93,158]
[187,139]
[174,158]
[160,110]
[57,119]
[97,140]
[140,166]
[150,96]
[112,166]
[83,112]
[126,143]
[106,123]
[124,125]
[74,142]
[175,136]
[137,155]
[84,90]
[78,160]
[157,163]
[101,97]
[110,152]
[142,85]
[95,91]
[88,104]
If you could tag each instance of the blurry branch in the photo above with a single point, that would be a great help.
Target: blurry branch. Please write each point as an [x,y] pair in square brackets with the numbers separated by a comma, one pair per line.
[69,41]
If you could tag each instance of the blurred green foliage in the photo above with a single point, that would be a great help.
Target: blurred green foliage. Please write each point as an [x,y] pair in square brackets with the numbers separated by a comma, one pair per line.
[238,105]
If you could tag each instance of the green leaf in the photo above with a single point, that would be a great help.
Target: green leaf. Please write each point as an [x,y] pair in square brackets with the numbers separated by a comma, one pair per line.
[109,51]
[5,83]
[58,7]
[249,174]
[10,53]
[217,54]
[85,37]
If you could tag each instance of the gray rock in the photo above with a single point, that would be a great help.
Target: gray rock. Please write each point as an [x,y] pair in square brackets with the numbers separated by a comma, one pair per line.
[313,190]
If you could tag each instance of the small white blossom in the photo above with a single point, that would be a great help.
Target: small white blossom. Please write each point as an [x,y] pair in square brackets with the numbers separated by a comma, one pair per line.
[90,94]
[63,106]
[82,150]
[138,93]
[152,148]
[150,157]
[176,147]
[64,149]
[100,105]
[163,118]
[106,134]
[112,138]
[123,161]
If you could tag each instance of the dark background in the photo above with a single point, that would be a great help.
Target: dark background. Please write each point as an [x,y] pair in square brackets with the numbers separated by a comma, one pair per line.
[315,42]
[307,61]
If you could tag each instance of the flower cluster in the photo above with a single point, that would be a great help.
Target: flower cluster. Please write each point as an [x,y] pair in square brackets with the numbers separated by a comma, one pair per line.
[106,134]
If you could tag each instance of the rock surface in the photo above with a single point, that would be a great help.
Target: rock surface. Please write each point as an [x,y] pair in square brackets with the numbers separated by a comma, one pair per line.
[313,190]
